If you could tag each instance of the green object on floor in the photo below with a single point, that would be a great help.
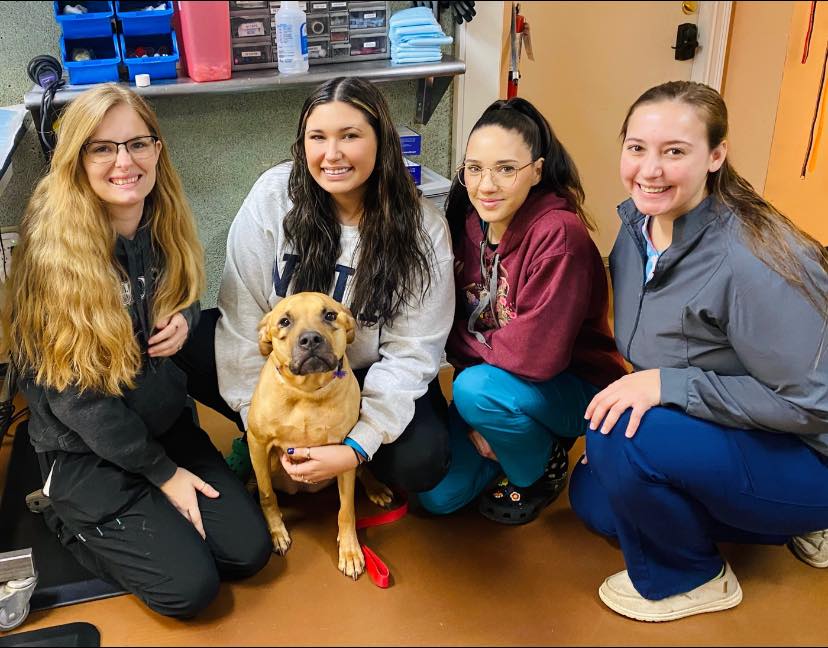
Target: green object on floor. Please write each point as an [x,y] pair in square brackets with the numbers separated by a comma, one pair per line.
[239,459]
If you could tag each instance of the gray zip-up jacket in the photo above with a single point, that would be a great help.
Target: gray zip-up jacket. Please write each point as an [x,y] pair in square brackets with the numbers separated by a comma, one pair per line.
[736,344]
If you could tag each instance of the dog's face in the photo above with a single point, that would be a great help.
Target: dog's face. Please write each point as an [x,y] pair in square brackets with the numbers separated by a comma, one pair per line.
[307,333]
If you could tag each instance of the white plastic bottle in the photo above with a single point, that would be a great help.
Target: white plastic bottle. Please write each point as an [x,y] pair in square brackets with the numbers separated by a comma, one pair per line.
[291,38]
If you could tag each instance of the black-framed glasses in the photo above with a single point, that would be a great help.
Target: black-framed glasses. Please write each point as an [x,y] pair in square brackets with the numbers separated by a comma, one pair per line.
[106,152]
[503,175]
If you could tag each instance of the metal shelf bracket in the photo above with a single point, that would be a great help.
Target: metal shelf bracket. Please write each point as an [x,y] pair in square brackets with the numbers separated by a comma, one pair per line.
[429,92]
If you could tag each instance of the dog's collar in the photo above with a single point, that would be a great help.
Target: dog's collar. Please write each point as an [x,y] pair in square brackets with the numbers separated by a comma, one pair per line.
[339,372]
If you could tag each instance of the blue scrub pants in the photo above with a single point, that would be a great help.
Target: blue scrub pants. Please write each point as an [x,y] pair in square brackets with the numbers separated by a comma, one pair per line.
[521,420]
[682,484]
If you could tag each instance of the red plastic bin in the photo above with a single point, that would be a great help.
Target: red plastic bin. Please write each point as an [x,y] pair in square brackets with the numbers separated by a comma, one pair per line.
[205,38]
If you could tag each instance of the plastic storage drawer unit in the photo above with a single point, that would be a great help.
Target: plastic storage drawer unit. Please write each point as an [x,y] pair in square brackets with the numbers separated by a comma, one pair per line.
[365,44]
[248,5]
[103,66]
[250,25]
[96,22]
[160,64]
[317,25]
[252,56]
[137,21]
[367,18]
[319,51]
[340,51]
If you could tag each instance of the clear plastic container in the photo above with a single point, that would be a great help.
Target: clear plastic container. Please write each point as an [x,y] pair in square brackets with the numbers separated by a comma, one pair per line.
[291,38]
[205,35]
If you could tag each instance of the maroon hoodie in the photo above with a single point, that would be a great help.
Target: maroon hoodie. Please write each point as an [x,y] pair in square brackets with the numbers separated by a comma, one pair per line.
[552,298]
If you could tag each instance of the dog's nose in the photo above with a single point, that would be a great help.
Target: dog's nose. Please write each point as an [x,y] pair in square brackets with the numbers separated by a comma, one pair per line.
[309,340]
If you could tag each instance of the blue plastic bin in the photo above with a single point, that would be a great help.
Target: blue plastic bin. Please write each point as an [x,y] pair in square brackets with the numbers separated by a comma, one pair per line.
[104,67]
[158,67]
[98,22]
[135,22]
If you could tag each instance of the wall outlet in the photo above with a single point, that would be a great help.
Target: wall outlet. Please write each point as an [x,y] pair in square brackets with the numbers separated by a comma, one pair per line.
[9,239]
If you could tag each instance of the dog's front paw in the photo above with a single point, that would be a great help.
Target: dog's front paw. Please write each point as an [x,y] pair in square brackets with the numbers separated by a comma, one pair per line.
[351,560]
[281,538]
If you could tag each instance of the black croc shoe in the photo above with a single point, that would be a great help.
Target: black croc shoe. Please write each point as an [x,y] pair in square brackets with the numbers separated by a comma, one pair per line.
[509,504]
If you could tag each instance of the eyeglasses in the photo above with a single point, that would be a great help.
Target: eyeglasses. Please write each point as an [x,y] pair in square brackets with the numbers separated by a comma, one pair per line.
[106,152]
[503,175]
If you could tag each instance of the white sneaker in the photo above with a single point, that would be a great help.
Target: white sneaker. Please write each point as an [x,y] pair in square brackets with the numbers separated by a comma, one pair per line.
[721,593]
[811,548]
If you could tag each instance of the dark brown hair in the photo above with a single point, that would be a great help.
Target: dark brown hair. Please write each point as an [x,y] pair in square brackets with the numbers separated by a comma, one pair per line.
[394,248]
[558,175]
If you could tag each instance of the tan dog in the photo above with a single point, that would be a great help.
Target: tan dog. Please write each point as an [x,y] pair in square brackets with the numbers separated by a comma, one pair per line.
[307,396]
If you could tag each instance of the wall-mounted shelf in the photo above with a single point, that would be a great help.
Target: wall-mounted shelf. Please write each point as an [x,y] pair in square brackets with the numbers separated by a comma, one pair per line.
[434,79]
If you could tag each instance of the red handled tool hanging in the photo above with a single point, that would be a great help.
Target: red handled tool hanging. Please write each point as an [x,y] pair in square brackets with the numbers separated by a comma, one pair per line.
[518,35]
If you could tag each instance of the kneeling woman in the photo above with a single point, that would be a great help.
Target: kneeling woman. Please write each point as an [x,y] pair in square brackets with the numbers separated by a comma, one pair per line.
[104,291]
[721,433]
[530,340]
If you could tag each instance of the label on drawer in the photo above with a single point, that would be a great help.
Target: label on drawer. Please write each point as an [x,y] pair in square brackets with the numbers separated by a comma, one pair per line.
[370,15]
[250,54]
[369,44]
[251,29]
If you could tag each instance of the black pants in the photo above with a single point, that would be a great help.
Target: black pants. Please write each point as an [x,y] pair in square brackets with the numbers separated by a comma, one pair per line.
[124,529]
[416,461]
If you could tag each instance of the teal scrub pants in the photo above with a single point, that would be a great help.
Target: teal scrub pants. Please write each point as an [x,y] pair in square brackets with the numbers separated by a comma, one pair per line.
[521,420]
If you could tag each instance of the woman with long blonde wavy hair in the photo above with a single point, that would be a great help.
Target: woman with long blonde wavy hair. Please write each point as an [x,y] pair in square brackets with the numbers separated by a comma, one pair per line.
[104,292]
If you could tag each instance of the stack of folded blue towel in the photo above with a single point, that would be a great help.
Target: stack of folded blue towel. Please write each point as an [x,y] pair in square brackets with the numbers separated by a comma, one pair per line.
[416,36]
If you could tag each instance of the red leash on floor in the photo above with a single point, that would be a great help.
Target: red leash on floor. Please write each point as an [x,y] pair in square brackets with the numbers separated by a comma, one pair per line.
[377,570]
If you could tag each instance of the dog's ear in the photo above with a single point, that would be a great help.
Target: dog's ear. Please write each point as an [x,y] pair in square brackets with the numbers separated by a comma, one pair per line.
[265,342]
[350,323]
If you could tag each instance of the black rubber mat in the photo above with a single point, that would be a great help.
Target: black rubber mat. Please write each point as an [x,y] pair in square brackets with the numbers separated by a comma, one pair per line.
[61,580]
[69,634]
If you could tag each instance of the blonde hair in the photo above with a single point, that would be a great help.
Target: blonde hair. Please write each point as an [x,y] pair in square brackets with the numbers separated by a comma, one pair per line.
[64,318]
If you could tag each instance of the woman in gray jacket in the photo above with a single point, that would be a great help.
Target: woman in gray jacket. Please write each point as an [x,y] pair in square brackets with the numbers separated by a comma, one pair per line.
[720,306]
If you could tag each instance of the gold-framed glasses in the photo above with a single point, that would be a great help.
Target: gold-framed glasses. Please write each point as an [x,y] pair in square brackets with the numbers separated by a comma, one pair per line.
[503,175]
[106,152]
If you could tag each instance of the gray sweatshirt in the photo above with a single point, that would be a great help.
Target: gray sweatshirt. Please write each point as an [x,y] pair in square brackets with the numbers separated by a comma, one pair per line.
[736,344]
[403,357]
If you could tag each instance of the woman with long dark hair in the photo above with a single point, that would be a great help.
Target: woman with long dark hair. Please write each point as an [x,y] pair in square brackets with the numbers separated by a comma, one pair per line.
[345,218]
[721,432]
[530,340]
